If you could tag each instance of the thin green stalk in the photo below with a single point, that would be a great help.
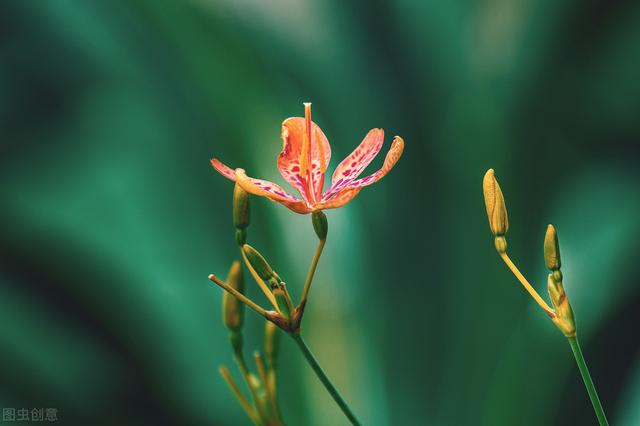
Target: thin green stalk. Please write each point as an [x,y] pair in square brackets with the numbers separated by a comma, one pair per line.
[246,374]
[224,372]
[588,383]
[312,271]
[325,380]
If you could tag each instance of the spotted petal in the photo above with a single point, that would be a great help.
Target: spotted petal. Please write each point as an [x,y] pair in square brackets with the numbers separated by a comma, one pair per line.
[289,159]
[261,187]
[270,190]
[340,199]
[355,163]
[390,160]
[223,169]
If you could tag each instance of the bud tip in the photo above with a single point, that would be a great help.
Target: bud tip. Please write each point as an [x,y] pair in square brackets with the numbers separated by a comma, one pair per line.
[495,205]
[551,249]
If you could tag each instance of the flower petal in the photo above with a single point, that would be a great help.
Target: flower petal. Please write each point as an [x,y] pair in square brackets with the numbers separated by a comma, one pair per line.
[289,159]
[339,199]
[223,169]
[355,163]
[265,188]
[397,146]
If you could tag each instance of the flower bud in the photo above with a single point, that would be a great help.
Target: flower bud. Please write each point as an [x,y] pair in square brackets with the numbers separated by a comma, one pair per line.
[259,263]
[232,308]
[240,207]
[552,249]
[563,319]
[494,202]
[284,302]
[320,224]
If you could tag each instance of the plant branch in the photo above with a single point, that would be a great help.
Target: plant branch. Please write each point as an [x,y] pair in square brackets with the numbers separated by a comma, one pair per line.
[527,285]
[310,274]
[239,396]
[325,380]
[241,297]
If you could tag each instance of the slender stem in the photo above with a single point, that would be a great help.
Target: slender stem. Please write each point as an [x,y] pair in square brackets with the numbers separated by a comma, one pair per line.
[527,285]
[274,415]
[271,384]
[588,383]
[241,297]
[312,271]
[246,374]
[242,364]
[239,396]
[262,371]
[325,379]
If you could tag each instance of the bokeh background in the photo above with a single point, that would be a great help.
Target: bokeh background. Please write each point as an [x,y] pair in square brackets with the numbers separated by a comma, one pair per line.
[112,217]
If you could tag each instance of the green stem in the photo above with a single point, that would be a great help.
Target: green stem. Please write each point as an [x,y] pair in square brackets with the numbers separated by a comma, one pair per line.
[588,383]
[325,380]
[312,271]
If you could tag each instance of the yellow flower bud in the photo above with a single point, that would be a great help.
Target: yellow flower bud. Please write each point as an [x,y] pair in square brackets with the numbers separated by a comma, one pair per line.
[232,308]
[240,207]
[494,202]
[552,249]
[564,314]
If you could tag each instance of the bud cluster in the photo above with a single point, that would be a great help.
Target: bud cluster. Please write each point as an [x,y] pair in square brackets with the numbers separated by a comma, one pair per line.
[561,313]
[263,409]
[285,315]
[564,319]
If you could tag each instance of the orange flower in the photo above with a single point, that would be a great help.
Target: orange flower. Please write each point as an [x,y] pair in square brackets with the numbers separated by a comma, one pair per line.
[303,162]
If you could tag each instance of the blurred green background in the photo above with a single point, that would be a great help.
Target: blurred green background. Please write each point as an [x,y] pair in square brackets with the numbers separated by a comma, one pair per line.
[112,217]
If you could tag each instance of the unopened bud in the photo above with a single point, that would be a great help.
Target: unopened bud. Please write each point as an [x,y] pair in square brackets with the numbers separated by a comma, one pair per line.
[240,207]
[494,202]
[563,319]
[232,308]
[320,224]
[253,382]
[552,250]
[259,263]
[284,303]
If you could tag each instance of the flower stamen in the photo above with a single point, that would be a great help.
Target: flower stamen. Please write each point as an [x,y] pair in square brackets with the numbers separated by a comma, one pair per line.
[305,154]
